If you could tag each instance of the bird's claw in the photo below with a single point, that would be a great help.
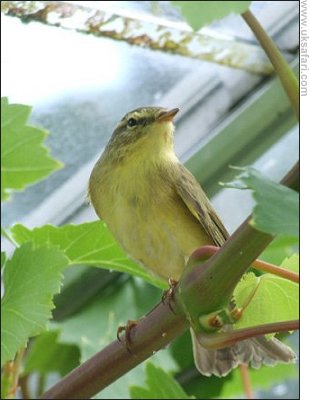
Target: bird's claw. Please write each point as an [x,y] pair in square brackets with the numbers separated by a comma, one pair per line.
[130,324]
[169,293]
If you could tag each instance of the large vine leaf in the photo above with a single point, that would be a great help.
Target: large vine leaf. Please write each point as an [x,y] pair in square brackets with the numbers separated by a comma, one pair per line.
[200,13]
[277,206]
[31,278]
[158,385]
[87,244]
[267,298]
[48,355]
[24,159]
[280,247]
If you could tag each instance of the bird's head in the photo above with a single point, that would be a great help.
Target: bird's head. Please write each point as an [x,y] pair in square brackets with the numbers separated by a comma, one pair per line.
[143,131]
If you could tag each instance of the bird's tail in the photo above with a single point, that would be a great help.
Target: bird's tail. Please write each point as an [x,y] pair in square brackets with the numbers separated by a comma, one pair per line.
[254,352]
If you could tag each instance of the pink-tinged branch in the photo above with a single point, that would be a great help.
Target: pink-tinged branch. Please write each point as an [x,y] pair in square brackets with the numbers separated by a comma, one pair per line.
[246,383]
[258,264]
[224,339]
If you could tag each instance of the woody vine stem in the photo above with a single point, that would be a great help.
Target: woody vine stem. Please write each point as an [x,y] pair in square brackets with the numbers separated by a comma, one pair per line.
[160,326]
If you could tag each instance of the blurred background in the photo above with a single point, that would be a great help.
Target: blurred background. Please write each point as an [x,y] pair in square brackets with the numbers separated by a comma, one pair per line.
[80,85]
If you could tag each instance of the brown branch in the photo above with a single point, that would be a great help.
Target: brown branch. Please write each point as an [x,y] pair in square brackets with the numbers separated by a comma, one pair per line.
[225,339]
[160,326]
[151,334]
[260,265]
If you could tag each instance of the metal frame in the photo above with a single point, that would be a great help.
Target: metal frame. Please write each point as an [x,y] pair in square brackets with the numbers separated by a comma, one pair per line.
[147,31]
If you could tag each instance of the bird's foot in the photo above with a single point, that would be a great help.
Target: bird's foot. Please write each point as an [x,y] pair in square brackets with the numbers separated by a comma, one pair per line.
[130,325]
[234,312]
[169,293]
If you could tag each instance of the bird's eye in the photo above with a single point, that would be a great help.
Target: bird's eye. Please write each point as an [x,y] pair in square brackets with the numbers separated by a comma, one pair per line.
[132,122]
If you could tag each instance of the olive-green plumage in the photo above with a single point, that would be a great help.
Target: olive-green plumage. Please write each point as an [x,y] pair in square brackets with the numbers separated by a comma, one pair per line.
[150,201]
[158,212]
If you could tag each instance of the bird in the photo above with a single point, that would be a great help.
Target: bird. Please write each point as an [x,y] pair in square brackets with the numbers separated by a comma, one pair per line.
[159,214]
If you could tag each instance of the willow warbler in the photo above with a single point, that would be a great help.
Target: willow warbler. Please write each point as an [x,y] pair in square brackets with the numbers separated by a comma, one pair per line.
[159,214]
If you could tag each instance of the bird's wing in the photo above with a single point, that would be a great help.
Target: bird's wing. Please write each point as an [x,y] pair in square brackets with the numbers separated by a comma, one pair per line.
[199,205]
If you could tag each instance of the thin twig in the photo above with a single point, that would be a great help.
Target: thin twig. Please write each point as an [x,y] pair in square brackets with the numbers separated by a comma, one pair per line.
[40,384]
[246,382]
[260,265]
[285,73]
[13,372]
[276,270]
[225,339]
[24,387]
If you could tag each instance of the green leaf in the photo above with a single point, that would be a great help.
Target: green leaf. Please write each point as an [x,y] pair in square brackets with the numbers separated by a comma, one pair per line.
[96,324]
[87,244]
[277,206]
[291,263]
[3,259]
[280,247]
[182,351]
[24,159]
[7,236]
[31,278]
[231,386]
[80,285]
[159,385]
[266,299]
[263,378]
[200,13]
[47,355]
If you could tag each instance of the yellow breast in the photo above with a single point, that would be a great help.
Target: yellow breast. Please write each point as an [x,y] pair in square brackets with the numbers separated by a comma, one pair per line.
[146,216]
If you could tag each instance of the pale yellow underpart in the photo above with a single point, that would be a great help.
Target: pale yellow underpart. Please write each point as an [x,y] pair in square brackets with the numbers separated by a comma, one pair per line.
[142,209]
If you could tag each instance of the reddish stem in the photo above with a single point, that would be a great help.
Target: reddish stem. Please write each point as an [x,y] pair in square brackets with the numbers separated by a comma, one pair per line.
[276,270]
[225,339]
[246,382]
[260,265]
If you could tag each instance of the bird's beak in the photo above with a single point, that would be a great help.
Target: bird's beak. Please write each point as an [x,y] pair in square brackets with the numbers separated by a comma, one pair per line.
[167,115]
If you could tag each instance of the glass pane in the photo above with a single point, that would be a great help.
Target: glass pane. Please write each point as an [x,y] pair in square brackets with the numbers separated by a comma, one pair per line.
[79,85]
